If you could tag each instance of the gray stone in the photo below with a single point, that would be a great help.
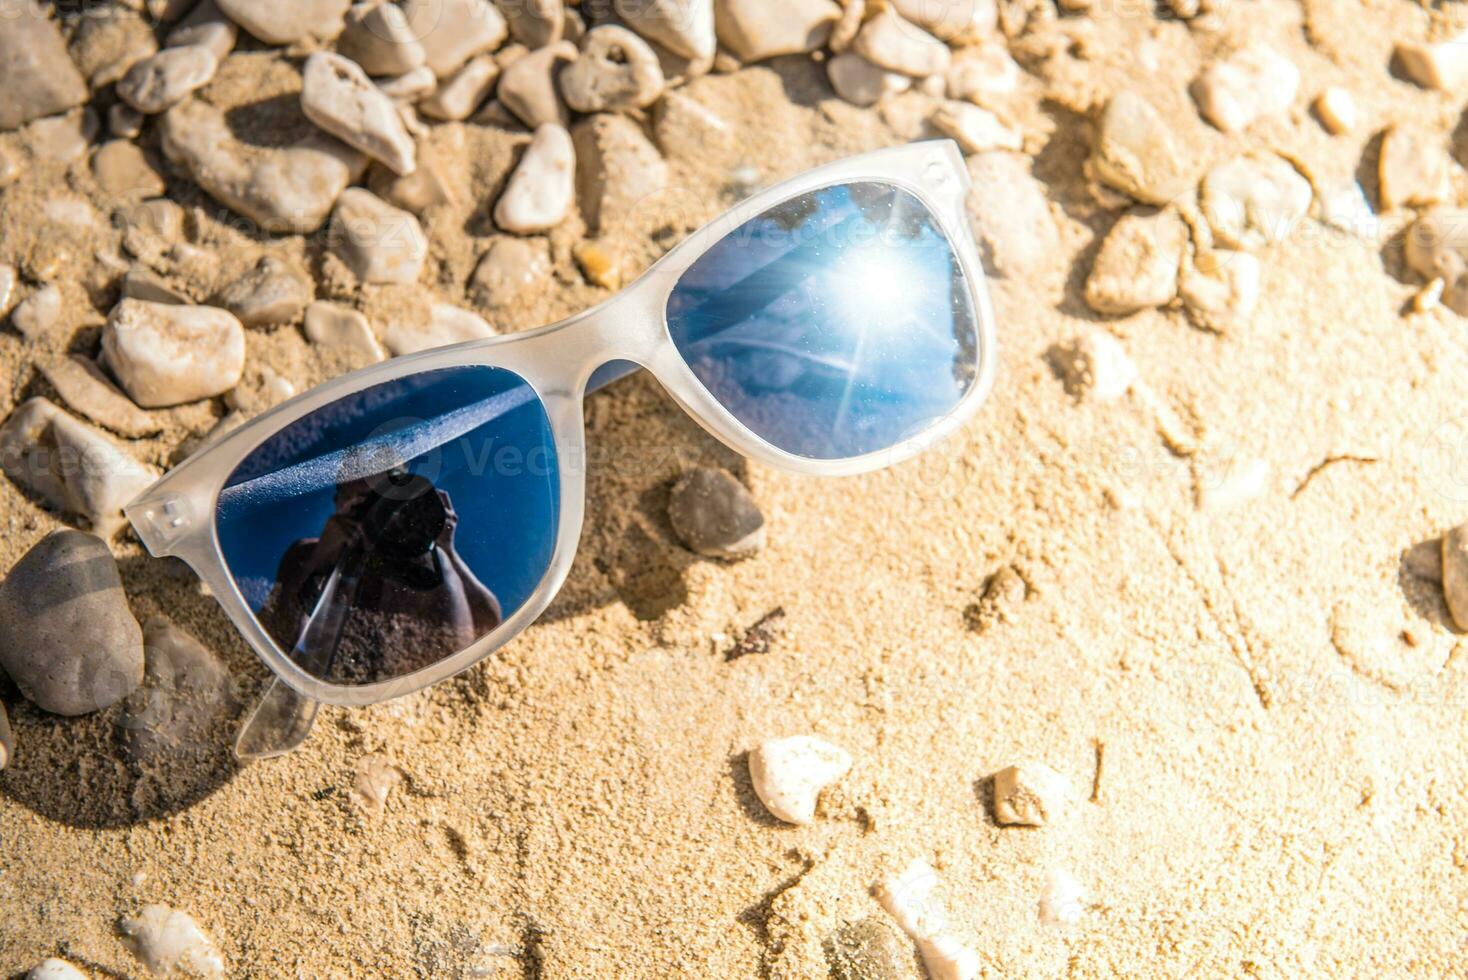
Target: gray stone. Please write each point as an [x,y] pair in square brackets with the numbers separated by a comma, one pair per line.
[713,514]
[539,193]
[453,31]
[207,27]
[168,355]
[616,70]
[754,30]
[509,270]
[67,636]
[528,85]
[287,21]
[617,169]
[37,76]
[185,693]
[154,84]
[684,27]
[339,97]
[271,293]
[86,391]
[871,949]
[378,242]
[379,38]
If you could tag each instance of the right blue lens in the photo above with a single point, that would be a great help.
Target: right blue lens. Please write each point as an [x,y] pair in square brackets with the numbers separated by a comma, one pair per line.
[836,324]
[392,528]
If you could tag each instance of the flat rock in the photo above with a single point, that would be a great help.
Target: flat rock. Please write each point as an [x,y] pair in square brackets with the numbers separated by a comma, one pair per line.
[208,27]
[539,193]
[339,97]
[165,940]
[343,329]
[1137,266]
[453,31]
[157,83]
[1220,288]
[1252,83]
[67,636]
[528,86]
[463,91]
[378,242]
[890,41]
[123,171]
[790,773]
[271,293]
[617,169]
[509,270]
[976,130]
[1134,152]
[1436,247]
[684,27]
[982,71]
[1441,65]
[713,514]
[288,189]
[1412,170]
[36,73]
[185,693]
[169,355]
[616,71]
[145,284]
[858,81]
[1254,201]
[379,38]
[870,949]
[447,324]
[287,21]
[755,30]
[86,391]
[1010,215]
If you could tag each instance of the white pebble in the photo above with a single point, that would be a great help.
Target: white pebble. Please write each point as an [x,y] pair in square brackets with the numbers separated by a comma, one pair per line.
[153,84]
[1344,207]
[453,31]
[540,191]
[463,91]
[982,71]
[1254,82]
[1062,901]
[165,355]
[54,969]
[616,71]
[1336,108]
[376,778]
[287,21]
[684,27]
[1442,65]
[447,324]
[1137,266]
[339,97]
[976,130]
[789,774]
[1241,481]
[753,30]
[1220,288]
[38,313]
[379,38]
[378,242]
[1134,151]
[889,41]
[862,83]
[1095,365]
[1010,215]
[1030,794]
[911,899]
[1253,201]
[166,939]
[330,325]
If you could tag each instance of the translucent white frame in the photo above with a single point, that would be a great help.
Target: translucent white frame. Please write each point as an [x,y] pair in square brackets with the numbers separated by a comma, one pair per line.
[175,517]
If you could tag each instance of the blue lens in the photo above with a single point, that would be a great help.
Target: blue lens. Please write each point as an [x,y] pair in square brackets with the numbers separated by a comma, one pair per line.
[394,527]
[835,324]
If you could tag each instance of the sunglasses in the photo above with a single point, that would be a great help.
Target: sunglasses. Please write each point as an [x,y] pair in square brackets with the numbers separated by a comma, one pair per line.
[398,524]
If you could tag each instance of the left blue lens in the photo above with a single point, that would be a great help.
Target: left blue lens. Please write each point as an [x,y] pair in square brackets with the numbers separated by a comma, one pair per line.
[836,324]
[392,528]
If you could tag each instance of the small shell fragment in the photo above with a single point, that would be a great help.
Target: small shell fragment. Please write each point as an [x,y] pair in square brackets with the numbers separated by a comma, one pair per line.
[166,939]
[789,774]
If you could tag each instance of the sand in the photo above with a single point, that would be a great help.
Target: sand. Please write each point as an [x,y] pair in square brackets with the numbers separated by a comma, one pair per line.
[1262,711]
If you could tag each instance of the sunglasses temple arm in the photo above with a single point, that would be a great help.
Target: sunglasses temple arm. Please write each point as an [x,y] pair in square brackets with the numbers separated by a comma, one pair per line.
[279,723]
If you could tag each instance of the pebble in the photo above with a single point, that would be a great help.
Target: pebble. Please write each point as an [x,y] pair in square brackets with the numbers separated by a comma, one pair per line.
[54,969]
[420,190]
[447,324]
[7,749]
[290,189]
[124,122]
[982,71]
[67,636]
[1094,365]
[378,37]
[1344,207]
[453,31]
[35,315]
[536,23]
[7,288]
[376,778]
[599,262]
[510,270]
[1134,152]
[911,899]
[166,939]
[528,86]
[891,42]
[62,138]
[1425,560]
[1413,168]
[342,328]
[1063,900]
[140,283]
[287,21]
[339,97]
[1441,65]
[714,514]
[1455,574]
[1010,215]
[36,73]
[165,355]
[858,81]
[154,84]
[271,293]
[207,27]
[185,693]
[617,169]
[1220,288]
[1337,110]
[975,129]
[684,27]
[86,391]
[1031,795]
[123,171]
[869,949]
[754,30]
[952,20]
[1241,480]
[616,71]
[378,242]
[539,193]
[106,42]
[1254,82]
[411,86]
[1137,266]
[847,26]
[463,91]
[1253,201]
[790,773]
[685,126]
[260,389]
[1436,247]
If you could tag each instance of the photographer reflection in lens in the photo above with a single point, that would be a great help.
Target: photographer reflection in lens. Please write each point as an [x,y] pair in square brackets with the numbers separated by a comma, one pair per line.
[381,592]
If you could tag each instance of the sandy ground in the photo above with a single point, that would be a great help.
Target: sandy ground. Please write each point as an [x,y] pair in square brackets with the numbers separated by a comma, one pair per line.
[1264,708]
